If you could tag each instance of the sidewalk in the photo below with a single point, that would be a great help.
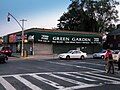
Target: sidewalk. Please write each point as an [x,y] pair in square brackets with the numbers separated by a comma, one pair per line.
[42,56]
[17,56]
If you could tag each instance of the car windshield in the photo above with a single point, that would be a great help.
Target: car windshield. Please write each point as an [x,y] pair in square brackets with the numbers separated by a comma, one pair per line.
[103,51]
[116,51]
[71,51]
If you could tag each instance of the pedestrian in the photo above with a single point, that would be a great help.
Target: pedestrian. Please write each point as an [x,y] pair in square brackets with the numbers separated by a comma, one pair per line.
[109,60]
[31,51]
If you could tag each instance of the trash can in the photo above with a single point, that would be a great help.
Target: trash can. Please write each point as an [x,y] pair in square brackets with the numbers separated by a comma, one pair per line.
[25,53]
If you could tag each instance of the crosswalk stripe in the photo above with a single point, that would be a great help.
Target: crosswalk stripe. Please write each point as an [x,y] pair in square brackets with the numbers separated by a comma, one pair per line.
[100,78]
[80,87]
[94,64]
[88,76]
[67,79]
[27,83]
[104,76]
[54,84]
[79,77]
[6,84]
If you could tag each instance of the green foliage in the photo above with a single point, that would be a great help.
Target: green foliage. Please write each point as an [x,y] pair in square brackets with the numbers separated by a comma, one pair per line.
[90,15]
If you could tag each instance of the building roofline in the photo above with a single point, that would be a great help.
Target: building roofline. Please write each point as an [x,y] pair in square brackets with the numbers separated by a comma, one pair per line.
[55,30]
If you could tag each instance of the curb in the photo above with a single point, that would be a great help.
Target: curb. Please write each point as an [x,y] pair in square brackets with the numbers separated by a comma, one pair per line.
[45,56]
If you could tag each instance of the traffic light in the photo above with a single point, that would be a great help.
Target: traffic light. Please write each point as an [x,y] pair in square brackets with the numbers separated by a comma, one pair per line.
[8,19]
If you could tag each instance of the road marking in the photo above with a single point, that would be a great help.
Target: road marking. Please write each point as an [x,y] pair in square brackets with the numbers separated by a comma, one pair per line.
[81,84]
[92,63]
[79,77]
[27,83]
[80,87]
[95,64]
[104,76]
[100,78]
[76,66]
[67,79]
[89,76]
[6,84]
[33,73]
[54,84]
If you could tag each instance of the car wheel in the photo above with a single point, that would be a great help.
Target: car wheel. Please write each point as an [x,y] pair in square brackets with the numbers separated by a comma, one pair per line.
[102,56]
[82,57]
[67,57]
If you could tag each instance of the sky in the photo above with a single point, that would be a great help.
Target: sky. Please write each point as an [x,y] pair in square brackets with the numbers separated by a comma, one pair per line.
[38,13]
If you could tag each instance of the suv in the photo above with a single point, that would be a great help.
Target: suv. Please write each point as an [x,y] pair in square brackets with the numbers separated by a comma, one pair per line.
[6,50]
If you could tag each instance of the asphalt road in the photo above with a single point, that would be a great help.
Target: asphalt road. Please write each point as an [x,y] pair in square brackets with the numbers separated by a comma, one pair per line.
[39,74]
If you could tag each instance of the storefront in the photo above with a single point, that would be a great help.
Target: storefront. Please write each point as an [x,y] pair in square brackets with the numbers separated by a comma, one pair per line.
[43,41]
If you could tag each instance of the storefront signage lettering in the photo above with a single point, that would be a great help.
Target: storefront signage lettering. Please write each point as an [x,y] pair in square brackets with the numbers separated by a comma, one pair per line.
[69,39]
[44,37]
[96,40]
[53,38]
[81,39]
[61,38]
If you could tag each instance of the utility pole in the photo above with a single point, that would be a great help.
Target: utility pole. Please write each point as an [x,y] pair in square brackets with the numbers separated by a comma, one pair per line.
[22,49]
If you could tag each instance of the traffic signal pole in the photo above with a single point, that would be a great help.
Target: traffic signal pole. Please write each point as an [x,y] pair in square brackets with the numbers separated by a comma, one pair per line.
[22,27]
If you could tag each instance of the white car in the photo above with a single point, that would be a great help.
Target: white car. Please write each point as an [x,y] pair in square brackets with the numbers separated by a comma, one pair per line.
[116,55]
[73,54]
[99,54]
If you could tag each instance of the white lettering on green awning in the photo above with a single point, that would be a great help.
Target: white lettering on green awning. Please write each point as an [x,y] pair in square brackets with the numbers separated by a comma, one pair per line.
[61,38]
[81,39]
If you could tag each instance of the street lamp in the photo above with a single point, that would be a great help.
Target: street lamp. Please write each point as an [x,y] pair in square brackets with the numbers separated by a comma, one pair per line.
[22,27]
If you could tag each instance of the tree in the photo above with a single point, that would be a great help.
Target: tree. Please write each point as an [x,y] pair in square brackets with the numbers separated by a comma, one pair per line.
[90,15]
[106,14]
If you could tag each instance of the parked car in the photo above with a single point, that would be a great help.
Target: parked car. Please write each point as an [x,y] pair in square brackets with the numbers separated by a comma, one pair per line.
[6,50]
[73,54]
[100,54]
[3,58]
[116,55]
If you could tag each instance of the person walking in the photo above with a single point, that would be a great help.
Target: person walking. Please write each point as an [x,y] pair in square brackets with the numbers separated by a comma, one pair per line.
[31,50]
[109,60]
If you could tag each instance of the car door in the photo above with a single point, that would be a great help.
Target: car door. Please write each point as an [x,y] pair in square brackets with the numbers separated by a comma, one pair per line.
[76,54]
